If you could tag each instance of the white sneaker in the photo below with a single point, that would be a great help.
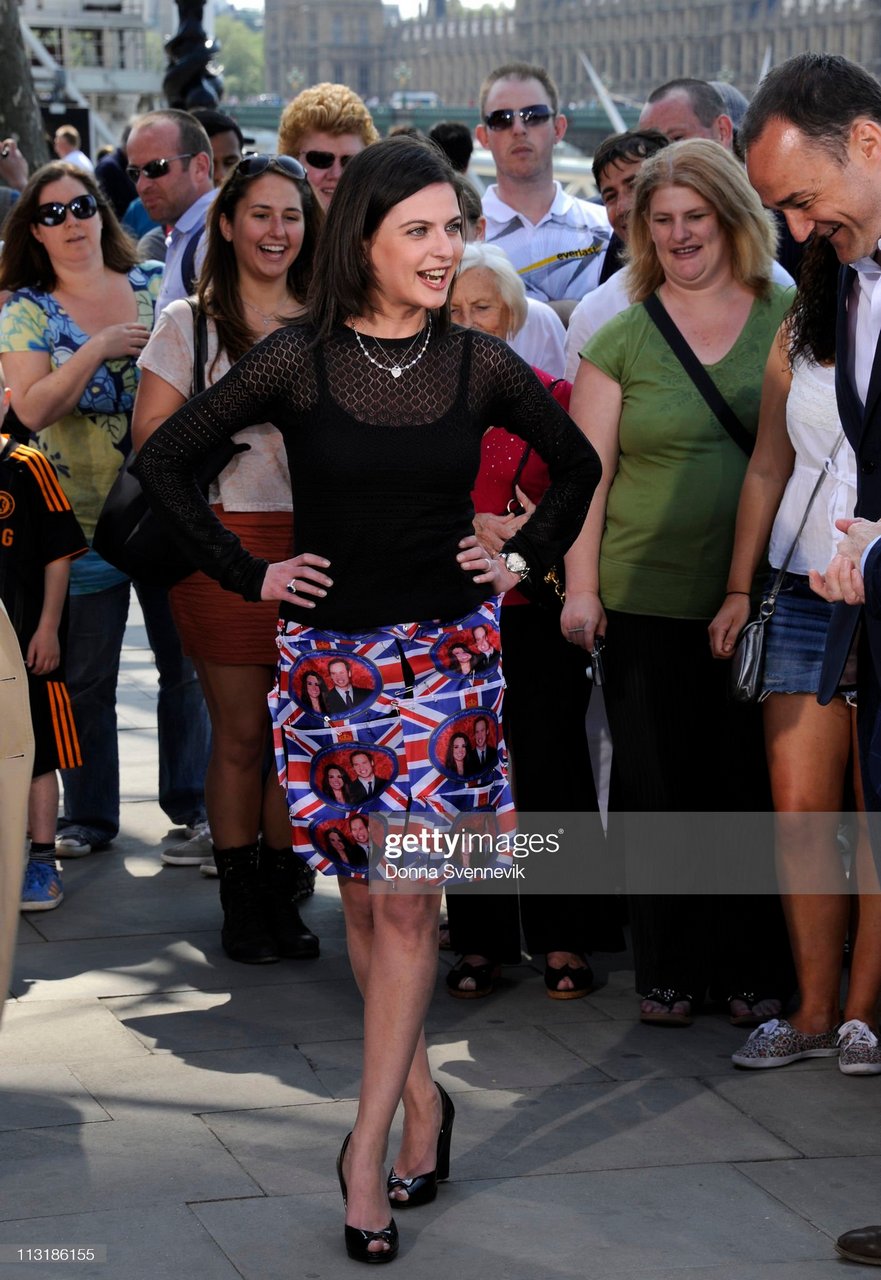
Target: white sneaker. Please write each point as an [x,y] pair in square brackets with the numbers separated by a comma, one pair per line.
[208,868]
[72,847]
[859,1053]
[189,853]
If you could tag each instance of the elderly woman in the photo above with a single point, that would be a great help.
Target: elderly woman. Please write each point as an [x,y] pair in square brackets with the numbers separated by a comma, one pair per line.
[324,126]
[489,295]
[651,566]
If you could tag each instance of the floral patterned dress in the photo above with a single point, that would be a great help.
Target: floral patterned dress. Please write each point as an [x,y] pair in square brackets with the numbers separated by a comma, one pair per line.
[89,445]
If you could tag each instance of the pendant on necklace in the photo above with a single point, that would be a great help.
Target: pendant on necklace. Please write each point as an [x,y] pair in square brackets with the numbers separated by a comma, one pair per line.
[396,371]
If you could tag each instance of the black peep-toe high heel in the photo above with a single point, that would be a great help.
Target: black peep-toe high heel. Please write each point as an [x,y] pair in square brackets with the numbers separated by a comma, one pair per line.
[358,1241]
[422,1189]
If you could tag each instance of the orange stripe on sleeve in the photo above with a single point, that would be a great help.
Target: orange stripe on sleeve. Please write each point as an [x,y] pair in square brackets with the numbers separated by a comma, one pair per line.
[44,474]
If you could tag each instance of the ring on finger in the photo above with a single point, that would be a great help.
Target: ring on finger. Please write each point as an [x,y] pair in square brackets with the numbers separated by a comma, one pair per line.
[489,564]
[293,586]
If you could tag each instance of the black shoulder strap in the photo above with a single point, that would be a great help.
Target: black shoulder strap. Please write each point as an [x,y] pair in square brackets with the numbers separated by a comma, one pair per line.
[200,346]
[188,273]
[698,374]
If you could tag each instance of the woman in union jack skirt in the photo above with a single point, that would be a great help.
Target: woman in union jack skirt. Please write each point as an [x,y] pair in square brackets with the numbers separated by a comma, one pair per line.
[382,406]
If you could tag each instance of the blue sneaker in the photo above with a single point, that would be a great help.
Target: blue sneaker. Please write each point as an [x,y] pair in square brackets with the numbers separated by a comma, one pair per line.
[42,888]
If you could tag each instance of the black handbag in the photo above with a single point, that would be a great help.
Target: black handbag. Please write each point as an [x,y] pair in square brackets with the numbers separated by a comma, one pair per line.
[128,534]
[748,659]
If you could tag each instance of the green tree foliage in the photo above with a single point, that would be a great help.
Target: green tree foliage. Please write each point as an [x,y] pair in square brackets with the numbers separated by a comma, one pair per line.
[241,55]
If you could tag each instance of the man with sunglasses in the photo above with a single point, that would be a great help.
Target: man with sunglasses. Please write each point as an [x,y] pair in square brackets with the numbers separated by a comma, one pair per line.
[323,127]
[555,241]
[171,163]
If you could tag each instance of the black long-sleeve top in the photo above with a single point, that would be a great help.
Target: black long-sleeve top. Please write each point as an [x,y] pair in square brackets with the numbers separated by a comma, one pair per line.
[381,468]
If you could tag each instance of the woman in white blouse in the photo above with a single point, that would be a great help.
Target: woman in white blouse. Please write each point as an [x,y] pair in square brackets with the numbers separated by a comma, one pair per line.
[811,748]
[262,232]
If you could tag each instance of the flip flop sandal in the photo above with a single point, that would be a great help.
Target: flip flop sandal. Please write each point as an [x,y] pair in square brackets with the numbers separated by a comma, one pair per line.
[667,1017]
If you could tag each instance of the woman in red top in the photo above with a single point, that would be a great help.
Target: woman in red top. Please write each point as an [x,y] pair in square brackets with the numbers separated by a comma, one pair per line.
[541,722]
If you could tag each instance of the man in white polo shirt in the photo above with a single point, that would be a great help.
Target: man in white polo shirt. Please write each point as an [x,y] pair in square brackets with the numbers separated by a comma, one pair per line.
[555,241]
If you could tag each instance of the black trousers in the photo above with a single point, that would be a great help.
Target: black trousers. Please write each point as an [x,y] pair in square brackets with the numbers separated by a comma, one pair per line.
[546,703]
[681,745]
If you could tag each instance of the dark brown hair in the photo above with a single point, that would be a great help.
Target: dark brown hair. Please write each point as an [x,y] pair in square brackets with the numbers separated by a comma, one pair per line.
[25,262]
[821,94]
[372,183]
[812,317]
[618,148]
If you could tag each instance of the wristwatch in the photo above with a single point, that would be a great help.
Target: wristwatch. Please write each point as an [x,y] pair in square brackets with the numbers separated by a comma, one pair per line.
[515,563]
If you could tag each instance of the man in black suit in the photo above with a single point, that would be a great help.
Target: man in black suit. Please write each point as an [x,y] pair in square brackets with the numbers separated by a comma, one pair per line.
[365,785]
[812,138]
[487,656]
[344,695]
[366,847]
[483,756]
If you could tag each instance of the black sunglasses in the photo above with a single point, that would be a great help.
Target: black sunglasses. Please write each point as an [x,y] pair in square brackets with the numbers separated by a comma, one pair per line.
[52,215]
[531,116]
[251,166]
[155,168]
[324,159]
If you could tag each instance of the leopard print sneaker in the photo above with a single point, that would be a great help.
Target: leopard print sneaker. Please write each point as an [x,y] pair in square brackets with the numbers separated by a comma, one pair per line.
[776,1044]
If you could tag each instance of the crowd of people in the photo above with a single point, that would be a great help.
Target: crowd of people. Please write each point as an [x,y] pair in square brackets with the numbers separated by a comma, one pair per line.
[549,427]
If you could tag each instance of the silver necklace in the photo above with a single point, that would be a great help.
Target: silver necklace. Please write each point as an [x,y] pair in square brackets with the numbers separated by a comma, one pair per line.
[399,366]
[267,320]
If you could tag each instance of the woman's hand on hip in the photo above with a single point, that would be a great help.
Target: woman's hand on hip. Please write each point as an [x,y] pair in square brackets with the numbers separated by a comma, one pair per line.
[583,618]
[728,624]
[296,580]
[486,567]
[123,340]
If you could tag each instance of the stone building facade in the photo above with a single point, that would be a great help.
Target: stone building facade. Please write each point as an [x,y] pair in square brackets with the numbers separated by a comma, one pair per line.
[634,44]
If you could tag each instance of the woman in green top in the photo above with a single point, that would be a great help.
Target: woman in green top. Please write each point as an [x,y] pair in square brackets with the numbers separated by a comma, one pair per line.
[649,570]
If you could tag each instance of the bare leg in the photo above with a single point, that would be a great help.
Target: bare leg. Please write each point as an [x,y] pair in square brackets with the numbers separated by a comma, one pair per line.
[865,964]
[392,941]
[234,790]
[43,807]
[808,748]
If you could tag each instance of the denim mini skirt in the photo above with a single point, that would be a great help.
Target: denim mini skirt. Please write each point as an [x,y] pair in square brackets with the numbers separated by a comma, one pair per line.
[795,638]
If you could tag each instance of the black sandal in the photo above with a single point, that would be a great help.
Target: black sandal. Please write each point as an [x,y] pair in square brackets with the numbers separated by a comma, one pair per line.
[582,982]
[358,1240]
[666,1017]
[484,976]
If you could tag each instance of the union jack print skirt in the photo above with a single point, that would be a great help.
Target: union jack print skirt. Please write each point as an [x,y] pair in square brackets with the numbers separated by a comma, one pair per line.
[387,732]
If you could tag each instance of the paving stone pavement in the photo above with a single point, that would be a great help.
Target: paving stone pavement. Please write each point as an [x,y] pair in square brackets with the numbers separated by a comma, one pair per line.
[184,1111]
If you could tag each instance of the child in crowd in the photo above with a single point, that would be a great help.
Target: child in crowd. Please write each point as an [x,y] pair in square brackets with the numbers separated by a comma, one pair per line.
[39,536]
